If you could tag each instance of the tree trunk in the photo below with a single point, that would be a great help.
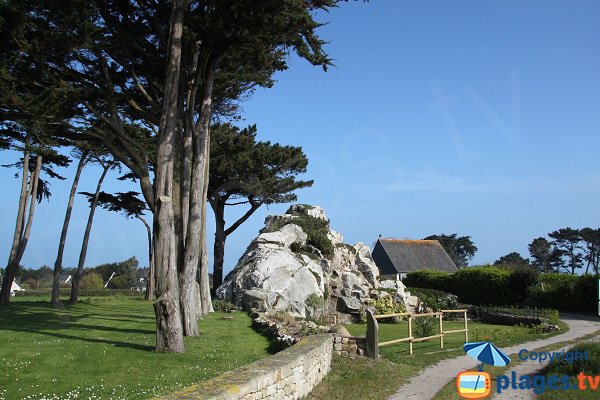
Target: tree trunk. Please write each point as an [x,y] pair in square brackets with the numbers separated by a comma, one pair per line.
[205,298]
[218,205]
[23,229]
[150,278]
[10,273]
[65,228]
[20,223]
[219,246]
[86,237]
[169,333]
[191,308]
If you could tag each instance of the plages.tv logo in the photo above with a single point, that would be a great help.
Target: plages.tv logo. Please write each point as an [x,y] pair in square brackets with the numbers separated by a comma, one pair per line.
[473,385]
[477,384]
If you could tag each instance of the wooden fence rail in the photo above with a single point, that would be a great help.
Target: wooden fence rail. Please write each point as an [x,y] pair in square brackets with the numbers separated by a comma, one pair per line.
[373,330]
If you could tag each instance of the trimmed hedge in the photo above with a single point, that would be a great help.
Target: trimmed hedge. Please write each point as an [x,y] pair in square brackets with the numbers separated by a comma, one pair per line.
[512,287]
[427,279]
[565,292]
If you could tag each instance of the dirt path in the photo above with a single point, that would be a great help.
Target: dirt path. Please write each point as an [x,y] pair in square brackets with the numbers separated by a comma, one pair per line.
[431,380]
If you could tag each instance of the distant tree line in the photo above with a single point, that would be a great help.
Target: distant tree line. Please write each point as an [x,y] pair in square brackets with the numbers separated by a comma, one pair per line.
[567,250]
[126,276]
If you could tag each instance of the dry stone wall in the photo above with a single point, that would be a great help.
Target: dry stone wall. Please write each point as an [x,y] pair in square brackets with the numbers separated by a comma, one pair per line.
[289,374]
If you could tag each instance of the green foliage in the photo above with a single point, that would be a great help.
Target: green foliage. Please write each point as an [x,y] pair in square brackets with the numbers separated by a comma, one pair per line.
[388,305]
[513,259]
[127,203]
[314,301]
[92,281]
[261,172]
[427,279]
[296,247]
[120,282]
[424,326]
[316,230]
[435,300]
[125,271]
[223,306]
[30,284]
[565,292]
[498,285]
[482,285]
[567,241]
[543,256]
[459,248]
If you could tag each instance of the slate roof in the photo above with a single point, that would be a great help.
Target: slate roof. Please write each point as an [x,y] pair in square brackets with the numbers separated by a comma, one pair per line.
[394,256]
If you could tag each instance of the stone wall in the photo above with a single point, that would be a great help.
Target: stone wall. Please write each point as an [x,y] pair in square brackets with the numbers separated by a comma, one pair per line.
[289,374]
[349,345]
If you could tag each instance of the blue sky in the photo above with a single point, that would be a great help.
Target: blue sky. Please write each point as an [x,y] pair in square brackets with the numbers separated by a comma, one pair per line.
[476,118]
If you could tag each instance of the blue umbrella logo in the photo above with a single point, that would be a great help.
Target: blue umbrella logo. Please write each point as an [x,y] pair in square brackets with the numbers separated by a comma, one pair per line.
[487,353]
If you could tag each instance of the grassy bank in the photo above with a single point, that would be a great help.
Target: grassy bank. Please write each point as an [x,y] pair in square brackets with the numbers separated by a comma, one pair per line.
[365,379]
[102,348]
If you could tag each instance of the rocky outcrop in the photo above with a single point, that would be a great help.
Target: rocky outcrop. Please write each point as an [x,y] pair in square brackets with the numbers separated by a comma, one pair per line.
[297,255]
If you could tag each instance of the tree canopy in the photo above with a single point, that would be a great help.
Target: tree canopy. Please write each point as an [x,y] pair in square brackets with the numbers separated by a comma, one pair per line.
[513,260]
[244,171]
[459,248]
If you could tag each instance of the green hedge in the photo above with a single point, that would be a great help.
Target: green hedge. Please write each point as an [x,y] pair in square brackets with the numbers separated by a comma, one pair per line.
[565,292]
[427,279]
[512,287]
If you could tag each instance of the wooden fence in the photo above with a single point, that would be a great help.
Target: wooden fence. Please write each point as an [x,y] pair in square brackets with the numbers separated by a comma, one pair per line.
[373,330]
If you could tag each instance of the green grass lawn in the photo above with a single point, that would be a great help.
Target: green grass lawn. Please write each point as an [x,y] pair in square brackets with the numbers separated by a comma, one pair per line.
[365,379]
[102,348]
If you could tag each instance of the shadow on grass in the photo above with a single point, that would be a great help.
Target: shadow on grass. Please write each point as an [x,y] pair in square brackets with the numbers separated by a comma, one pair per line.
[43,319]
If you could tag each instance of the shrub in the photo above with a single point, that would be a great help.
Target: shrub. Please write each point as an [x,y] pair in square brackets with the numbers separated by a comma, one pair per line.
[519,282]
[92,281]
[31,283]
[427,279]
[564,292]
[314,301]
[482,285]
[316,230]
[388,305]
[223,306]
[424,326]
[120,282]
[296,247]
[435,300]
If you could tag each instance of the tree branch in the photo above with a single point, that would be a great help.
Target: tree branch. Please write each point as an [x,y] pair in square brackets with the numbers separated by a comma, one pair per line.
[255,206]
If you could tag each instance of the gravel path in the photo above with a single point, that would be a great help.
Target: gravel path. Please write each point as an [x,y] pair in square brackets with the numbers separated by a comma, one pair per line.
[431,380]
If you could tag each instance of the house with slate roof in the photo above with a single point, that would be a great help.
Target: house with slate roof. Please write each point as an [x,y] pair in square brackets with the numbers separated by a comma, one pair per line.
[397,257]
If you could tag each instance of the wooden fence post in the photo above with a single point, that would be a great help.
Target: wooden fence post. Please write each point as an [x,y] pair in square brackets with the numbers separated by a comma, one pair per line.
[410,346]
[372,349]
[466,329]
[441,331]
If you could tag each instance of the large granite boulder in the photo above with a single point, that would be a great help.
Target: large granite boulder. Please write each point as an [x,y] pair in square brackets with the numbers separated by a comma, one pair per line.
[297,255]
